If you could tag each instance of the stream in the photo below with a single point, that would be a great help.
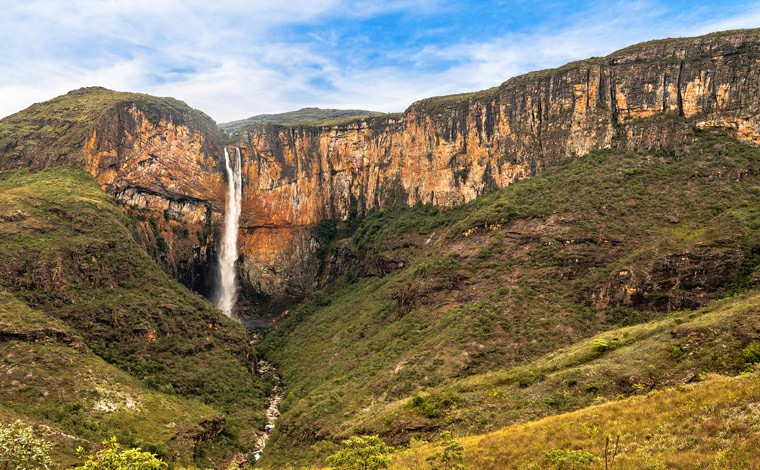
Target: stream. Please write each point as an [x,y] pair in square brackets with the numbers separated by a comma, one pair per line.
[264,368]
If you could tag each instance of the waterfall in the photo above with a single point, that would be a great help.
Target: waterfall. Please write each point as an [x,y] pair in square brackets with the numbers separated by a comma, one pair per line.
[228,287]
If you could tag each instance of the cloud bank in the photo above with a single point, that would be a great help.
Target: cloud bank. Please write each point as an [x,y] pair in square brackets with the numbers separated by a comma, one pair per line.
[235,58]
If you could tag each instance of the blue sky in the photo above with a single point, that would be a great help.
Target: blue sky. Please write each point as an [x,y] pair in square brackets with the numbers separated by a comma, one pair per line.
[236,58]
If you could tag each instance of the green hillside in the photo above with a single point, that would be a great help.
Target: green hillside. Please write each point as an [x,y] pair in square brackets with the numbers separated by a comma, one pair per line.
[493,318]
[90,322]
[302,117]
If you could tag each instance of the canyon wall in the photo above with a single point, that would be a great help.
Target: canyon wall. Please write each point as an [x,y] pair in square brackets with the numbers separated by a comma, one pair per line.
[158,157]
[450,150]
[162,159]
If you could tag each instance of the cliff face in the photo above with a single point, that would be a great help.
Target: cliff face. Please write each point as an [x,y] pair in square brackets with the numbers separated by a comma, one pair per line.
[160,158]
[166,172]
[450,150]
[156,156]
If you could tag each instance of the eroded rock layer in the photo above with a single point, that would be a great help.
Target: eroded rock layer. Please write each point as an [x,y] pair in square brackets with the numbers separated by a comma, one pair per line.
[156,156]
[161,159]
[450,150]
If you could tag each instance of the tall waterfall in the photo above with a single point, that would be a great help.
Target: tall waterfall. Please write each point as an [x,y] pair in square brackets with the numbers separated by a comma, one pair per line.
[228,287]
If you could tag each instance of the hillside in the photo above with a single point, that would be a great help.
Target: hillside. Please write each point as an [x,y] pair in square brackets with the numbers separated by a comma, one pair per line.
[57,131]
[575,241]
[315,117]
[712,424]
[98,340]
[615,241]
[157,157]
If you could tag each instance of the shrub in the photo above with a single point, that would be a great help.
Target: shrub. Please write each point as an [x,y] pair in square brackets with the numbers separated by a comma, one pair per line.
[452,455]
[361,453]
[19,449]
[601,346]
[568,459]
[751,354]
[433,406]
[110,458]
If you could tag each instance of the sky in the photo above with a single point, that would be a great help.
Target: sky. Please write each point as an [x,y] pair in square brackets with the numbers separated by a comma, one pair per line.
[236,58]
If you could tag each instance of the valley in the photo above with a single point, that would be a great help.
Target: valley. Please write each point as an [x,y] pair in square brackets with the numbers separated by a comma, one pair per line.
[570,255]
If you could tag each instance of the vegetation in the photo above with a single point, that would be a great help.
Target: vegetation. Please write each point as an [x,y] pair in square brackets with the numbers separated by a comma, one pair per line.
[547,296]
[439,104]
[20,449]
[109,457]
[706,425]
[55,132]
[307,117]
[451,456]
[98,340]
[711,424]
[361,453]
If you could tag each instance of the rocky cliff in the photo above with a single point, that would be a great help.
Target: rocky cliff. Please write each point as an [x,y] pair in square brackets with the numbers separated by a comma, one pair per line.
[158,158]
[450,150]
[161,159]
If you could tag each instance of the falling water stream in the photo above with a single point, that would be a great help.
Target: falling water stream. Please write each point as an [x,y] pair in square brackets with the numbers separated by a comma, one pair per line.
[228,289]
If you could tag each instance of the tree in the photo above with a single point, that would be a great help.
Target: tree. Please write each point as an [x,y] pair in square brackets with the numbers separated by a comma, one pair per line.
[19,449]
[361,453]
[109,458]
[452,456]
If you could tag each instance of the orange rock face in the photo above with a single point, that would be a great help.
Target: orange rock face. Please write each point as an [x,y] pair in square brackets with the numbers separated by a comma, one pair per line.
[156,156]
[450,150]
[161,159]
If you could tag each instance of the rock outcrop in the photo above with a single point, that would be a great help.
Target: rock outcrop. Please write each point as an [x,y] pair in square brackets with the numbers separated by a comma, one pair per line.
[161,159]
[158,158]
[450,150]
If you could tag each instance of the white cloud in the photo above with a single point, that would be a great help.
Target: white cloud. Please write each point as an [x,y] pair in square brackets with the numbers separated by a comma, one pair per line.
[236,58]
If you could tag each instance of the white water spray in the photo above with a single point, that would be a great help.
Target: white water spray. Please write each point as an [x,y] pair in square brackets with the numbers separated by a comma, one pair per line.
[228,287]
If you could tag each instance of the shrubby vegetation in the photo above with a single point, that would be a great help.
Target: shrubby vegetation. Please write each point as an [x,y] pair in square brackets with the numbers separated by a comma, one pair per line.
[109,457]
[550,295]
[451,456]
[86,304]
[361,453]
[20,449]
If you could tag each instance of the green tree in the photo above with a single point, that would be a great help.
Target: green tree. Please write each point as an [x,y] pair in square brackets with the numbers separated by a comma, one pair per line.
[361,453]
[452,455]
[19,449]
[109,458]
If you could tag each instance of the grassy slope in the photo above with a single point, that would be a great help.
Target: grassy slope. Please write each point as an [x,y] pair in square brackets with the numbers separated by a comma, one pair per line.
[517,275]
[713,424]
[75,398]
[67,252]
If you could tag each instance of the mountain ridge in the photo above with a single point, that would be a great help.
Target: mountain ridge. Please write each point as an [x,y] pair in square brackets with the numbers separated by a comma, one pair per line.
[478,260]
[308,117]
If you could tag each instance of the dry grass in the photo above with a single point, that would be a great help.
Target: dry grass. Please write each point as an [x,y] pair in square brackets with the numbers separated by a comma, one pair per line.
[712,424]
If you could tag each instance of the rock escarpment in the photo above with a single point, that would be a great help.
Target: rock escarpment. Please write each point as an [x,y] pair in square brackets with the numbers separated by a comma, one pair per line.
[158,158]
[449,150]
[161,159]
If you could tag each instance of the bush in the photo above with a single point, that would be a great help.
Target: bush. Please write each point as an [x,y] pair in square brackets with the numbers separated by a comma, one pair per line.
[361,453]
[569,459]
[435,405]
[601,346]
[452,456]
[751,354]
[109,458]
[19,449]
